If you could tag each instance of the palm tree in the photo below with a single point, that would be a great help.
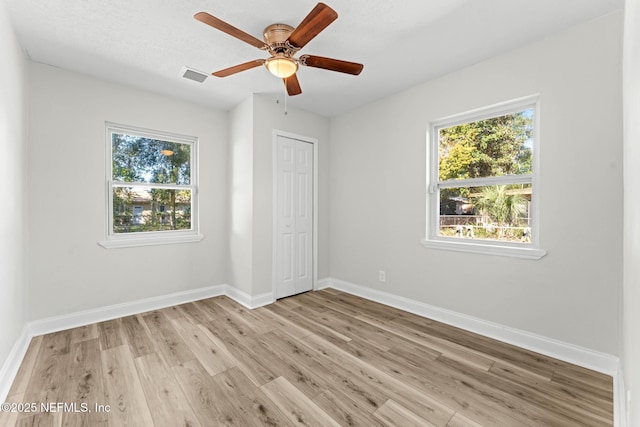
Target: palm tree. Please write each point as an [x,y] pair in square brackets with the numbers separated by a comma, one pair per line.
[502,207]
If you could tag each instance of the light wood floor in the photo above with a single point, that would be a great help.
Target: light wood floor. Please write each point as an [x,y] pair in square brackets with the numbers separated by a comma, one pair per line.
[322,358]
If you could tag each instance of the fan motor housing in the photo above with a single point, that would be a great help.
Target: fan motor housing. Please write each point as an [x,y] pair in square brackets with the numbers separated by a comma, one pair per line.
[276,36]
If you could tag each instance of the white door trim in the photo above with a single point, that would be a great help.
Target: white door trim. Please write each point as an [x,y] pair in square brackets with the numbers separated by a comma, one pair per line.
[274,227]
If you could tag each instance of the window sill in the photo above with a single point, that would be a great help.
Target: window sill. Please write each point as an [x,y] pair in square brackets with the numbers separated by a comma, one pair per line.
[479,248]
[149,241]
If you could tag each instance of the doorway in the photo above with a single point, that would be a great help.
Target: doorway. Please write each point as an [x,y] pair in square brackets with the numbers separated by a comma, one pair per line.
[294,265]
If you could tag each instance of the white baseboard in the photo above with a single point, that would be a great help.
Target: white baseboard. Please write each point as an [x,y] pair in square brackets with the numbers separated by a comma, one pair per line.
[12,365]
[619,399]
[247,300]
[324,283]
[591,359]
[81,318]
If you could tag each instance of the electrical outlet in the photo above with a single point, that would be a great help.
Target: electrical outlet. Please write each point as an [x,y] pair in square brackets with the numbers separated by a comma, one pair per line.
[382,276]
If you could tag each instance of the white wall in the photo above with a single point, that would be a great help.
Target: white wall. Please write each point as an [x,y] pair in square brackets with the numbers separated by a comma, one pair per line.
[13,214]
[378,174]
[631,82]
[240,273]
[69,272]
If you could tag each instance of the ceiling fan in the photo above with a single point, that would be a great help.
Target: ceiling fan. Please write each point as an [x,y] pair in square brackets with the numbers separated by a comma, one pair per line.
[283,42]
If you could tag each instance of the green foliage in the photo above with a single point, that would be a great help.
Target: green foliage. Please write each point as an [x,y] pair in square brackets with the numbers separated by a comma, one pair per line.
[490,147]
[138,159]
[503,207]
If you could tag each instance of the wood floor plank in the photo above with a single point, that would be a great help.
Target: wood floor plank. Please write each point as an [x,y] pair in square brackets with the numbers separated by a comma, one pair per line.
[277,322]
[195,313]
[394,414]
[297,407]
[43,419]
[85,385]
[163,393]
[346,411]
[363,306]
[587,376]
[123,391]
[459,420]
[84,333]
[173,312]
[338,377]
[320,300]
[287,303]
[232,320]
[570,381]
[210,356]
[251,364]
[242,314]
[255,407]
[201,392]
[167,340]
[350,327]
[284,356]
[51,370]
[9,417]
[136,336]
[307,322]
[110,333]
[438,345]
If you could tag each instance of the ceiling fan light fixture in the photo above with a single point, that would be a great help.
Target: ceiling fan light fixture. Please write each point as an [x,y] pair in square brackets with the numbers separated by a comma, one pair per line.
[281,66]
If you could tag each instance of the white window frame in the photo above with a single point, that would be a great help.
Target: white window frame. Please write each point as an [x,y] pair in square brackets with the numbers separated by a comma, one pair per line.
[148,238]
[487,247]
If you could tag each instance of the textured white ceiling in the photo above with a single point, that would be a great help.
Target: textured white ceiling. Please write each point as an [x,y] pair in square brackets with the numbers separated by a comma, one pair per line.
[145,43]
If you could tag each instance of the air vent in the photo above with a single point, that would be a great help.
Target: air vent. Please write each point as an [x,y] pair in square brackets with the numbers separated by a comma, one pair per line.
[195,75]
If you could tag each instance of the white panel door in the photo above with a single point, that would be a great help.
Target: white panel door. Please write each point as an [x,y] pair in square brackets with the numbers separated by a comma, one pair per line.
[294,222]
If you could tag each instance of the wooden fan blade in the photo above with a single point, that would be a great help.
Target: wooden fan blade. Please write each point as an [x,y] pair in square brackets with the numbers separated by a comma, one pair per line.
[219,24]
[293,85]
[237,68]
[316,21]
[331,64]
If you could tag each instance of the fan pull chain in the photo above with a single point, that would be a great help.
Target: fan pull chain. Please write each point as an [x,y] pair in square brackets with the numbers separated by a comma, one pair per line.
[285,102]
[286,97]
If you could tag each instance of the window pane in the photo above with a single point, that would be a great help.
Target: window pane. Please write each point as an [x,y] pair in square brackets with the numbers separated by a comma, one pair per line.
[138,209]
[499,212]
[491,147]
[138,159]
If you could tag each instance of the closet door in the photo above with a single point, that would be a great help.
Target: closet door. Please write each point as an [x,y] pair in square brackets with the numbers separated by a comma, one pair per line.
[294,229]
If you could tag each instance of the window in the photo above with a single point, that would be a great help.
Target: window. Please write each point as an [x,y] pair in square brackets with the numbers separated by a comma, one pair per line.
[482,168]
[152,187]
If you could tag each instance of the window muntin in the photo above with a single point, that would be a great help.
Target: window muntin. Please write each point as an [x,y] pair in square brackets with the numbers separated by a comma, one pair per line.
[152,184]
[482,168]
